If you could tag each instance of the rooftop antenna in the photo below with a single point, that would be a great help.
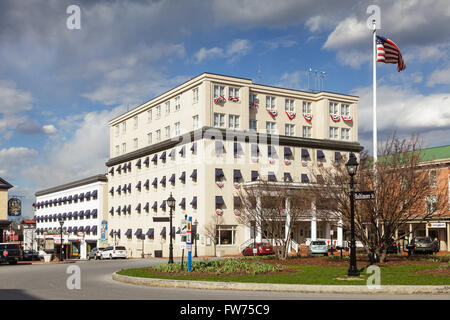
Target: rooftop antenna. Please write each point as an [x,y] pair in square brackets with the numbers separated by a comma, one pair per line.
[309,73]
[322,77]
[315,80]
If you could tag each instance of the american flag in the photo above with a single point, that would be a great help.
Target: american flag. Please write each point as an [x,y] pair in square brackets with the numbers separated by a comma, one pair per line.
[388,52]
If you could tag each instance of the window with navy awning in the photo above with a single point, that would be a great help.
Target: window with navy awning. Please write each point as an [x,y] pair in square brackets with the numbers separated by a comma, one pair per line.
[138,186]
[305,153]
[305,178]
[155,182]
[288,153]
[182,151]
[87,213]
[80,229]
[271,176]
[337,156]
[75,197]
[74,229]
[194,148]
[147,183]
[255,175]
[75,214]
[111,211]
[271,152]
[124,188]
[163,180]
[138,208]
[146,161]
[129,208]
[119,168]
[287,177]
[87,229]
[219,147]
[172,179]
[138,233]
[163,232]
[124,167]
[172,154]
[111,233]
[128,233]
[237,149]
[69,215]
[150,233]
[118,209]
[194,202]
[155,159]
[65,199]
[124,209]
[219,201]
[237,175]
[138,163]
[111,171]
[147,206]
[183,203]
[88,195]
[163,205]
[183,176]
[320,154]
[163,156]
[129,187]
[94,194]
[155,205]
[69,198]
[194,175]
[219,174]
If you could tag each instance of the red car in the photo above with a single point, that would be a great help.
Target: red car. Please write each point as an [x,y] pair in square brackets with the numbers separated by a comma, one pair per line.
[262,249]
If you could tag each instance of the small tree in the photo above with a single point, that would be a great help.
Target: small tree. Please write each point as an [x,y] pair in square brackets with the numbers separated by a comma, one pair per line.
[211,230]
[400,184]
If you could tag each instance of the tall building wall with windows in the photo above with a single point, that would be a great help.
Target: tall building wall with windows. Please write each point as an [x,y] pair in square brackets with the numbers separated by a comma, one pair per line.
[225,131]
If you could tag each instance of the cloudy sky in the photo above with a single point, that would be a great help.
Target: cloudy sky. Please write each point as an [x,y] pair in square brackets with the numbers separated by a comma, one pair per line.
[59,87]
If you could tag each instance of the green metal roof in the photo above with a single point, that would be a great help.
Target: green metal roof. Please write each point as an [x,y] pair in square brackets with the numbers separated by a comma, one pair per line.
[435,153]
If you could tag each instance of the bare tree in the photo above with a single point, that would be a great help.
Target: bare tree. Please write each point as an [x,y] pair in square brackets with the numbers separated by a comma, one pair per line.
[211,230]
[401,186]
[264,210]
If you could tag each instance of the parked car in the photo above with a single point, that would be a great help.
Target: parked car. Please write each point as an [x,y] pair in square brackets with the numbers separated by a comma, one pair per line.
[95,253]
[30,255]
[420,245]
[262,249]
[391,246]
[114,252]
[10,252]
[318,247]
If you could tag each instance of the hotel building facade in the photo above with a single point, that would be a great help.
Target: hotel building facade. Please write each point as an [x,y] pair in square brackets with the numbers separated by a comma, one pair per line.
[81,206]
[203,140]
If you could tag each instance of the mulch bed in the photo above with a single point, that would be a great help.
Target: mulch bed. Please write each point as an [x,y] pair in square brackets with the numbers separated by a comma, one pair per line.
[211,273]
[443,270]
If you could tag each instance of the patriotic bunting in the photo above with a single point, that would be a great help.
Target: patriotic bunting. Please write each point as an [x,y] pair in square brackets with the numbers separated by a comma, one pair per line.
[254,105]
[272,112]
[219,212]
[307,116]
[287,162]
[304,164]
[334,117]
[236,185]
[290,114]
[220,99]
[220,184]
[347,118]
[230,98]
[237,212]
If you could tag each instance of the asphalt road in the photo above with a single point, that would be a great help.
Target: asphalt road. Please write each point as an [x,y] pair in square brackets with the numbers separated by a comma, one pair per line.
[49,282]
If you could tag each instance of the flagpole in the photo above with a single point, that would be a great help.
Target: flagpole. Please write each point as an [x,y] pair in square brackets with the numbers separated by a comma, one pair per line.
[374,41]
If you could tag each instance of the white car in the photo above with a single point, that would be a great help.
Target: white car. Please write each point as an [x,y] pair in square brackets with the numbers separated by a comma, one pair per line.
[114,252]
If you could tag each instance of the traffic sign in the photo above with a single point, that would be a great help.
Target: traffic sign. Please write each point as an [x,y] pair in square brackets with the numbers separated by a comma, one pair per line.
[183,229]
[364,195]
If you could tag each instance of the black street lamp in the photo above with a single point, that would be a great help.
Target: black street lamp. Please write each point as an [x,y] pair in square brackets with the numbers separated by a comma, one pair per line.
[171,204]
[352,167]
[195,238]
[61,223]
[143,239]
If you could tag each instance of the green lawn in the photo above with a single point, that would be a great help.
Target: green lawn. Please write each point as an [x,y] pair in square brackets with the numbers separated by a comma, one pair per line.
[308,274]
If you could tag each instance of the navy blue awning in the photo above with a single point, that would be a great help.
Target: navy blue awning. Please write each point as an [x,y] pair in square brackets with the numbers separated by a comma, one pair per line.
[219,173]
[69,198]
[183,176]
[94,230]
[75,214]
[237,201]
[163,180]
[59,215]
[111,172]
[271,176]
[111,233]
[150,232]
[75,197]
[81,196]
[138,207]
[94,213]
[183,202]
[182,150]
[305,153]
[255,175]
[194,201]
[219,200]
[119,168]
[129,166]
[74,229]
[87,213]
[88,195]
[119,189]
[124,209]
[163,156]
[155,205]
[129,208]
[138,186]
[155,182]
[69,215]
[128,233]
[69,229]
[172,178]
[155,158]
[111,211]
[81,213]
[87,229]
[129,187]
[305,178]
[118,209]
[194,147]
[163,204]
[287,152]
[146,161]
[147,205]
[59,200]
[94,194]
[163,231]
[287,176]
[194,174]
[320,154]
[80,229]
[172,153]
[147,183]
[64,215]
[138,233]
[138,163]
[64,199]
[124,188]
[237,174]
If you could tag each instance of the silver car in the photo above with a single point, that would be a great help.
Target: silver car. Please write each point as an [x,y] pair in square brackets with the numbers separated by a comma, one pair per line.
[318,247]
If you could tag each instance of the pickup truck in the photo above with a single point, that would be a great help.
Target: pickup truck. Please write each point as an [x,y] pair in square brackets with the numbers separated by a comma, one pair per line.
[10,252]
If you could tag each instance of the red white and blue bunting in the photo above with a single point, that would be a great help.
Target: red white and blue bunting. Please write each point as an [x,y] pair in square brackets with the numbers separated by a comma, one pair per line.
[290,114]
[307,116]
[272,112]
[220,184]
[304,164]
[237,212]
[287,162]
[219,212]
[234,99]
[347,118]
[254,105]
[220,99]
[271,160]
[237,185]
[334,117]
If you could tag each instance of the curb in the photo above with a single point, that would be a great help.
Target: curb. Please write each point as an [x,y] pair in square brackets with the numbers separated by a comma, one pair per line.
[391,289]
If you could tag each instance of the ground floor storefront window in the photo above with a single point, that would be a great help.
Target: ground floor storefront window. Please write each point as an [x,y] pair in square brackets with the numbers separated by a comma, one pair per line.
[225,235]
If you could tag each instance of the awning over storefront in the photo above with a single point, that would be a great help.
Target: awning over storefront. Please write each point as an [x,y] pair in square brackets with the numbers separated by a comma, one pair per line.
[287,176]
[305,178]
[305,153]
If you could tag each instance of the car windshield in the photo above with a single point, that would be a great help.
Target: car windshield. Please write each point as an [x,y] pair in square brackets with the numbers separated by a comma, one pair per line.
[120,248]
[423,240]
[318,243]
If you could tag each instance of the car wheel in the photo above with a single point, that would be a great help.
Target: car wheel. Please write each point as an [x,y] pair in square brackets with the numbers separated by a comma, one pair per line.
[110,257]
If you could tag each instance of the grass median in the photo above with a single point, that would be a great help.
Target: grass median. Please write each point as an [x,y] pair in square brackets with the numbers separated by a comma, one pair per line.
[300,270]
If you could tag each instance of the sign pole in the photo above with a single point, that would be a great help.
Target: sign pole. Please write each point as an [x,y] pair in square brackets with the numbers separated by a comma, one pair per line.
[188,244]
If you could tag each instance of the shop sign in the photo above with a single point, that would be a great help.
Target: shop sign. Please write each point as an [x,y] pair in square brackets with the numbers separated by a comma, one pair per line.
[436,225]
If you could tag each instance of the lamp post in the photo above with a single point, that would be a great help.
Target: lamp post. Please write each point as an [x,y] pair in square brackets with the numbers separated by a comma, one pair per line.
[195,239]
[143,239]
[61,223]
[171,204]
[115,233]
[352,166]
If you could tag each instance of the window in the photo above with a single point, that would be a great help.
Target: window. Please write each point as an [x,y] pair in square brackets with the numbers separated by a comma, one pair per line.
[195,121]
[195,95]
[167,107]
[149,138]
[270,102]
[177,128]
[289,129]
[289,105]
[433,178]
[124,127]
[219,120]
[167,131]
[234,94]
[233,121]
[334,133]
[345,110]
[149,116]
[307,132]
[225,235]
[124,147]
[271,127]
[117,150]
[219,91]
[253,99]
[431,202]
[345,134]
[116,129]
[135,143]
[177,103]
[306,107]
[158,135]
[252,125]
[158,112]
[135,122]
[334,108]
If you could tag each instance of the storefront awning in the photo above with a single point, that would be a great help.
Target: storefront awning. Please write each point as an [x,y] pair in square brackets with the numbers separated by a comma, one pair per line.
[138,163]
[305,153]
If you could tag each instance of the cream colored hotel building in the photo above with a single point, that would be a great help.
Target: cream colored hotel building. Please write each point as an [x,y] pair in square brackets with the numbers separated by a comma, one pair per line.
[191,143]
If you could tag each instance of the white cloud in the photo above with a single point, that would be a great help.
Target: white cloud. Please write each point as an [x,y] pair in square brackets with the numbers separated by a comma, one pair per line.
[14,159]
[205,54]
[347,33]
[291,80]
[232,52]
[439,76]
